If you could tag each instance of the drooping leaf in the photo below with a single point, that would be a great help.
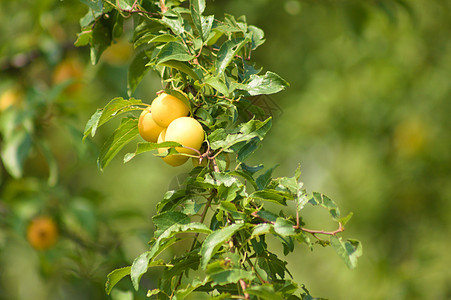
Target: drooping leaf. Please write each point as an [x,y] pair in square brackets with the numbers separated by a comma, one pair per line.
[349,251]
[214,241]
[114,277]
[125,133]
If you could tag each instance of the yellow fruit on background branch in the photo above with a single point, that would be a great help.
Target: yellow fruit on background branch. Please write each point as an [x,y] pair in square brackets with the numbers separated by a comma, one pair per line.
[148,129]
[11,97]
[186,131]
[42,233]
[166,108]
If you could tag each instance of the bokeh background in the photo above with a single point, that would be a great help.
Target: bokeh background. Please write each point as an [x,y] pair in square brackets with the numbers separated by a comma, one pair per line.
[367,116]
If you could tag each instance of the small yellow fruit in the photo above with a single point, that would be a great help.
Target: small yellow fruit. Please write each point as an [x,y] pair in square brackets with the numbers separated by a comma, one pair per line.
[69,69]
[186,131]
[166,108]
[11,97]
[42,233]
[147,127]
[173,160]
[118,53]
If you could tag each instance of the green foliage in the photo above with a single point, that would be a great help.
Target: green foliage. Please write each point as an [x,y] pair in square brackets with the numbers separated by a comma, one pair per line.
[206,62]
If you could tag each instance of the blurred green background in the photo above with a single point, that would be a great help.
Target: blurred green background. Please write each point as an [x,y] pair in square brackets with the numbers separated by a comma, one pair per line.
[367,116]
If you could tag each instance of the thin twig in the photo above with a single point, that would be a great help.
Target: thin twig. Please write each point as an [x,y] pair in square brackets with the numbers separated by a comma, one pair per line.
[312,231]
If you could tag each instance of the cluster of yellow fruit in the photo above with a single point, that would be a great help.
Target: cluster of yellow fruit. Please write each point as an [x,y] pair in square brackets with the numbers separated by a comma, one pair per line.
[166,120]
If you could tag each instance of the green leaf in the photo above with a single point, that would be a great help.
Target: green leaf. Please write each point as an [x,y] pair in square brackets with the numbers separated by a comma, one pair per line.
[284,227]
[83,38]
[218,85]
[269,83]
[102,35]
[113,109]
[162,38]
[261,229]
[51,162]
[136,71]
[15,150]
[95,5]
[175,23]
[138,268]
[227,53]
[147,146]
[121,295]
[173,51]
[272,265]
[231,276]
[270,195]
[349,251]
[326,202]
[114,277]
[198,5]
[171,231]
[165,220]
[183,67]
[249,130]
[171,199]
[125,133]
[265,291]
[191,287]
[125,4]
[257,36]
[214,241]
[264,179]
[207,25]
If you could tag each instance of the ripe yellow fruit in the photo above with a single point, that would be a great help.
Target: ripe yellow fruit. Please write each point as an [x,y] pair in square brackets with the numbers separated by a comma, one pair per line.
[166,108]
[147,127]
[173,160]
[42,233]
[186,131]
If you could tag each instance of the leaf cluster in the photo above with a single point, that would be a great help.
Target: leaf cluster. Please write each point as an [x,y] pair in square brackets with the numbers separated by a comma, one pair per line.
[222,208]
